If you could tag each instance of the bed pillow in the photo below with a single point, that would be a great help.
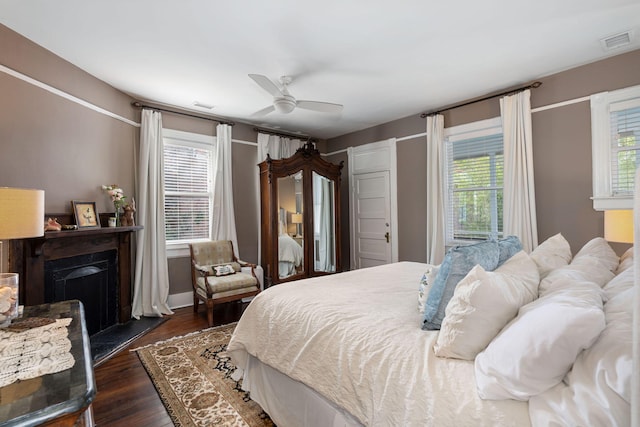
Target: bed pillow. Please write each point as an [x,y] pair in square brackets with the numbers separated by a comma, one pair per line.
[509,246]
[483,303]
[619,284]
[551,254]
[597,251]
[536,350]
[595,261]
[458,261]
[597,391]
[626,261]
[425,285]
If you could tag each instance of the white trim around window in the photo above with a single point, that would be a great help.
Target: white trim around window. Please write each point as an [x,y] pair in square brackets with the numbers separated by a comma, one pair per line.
[179,249]
[602,104]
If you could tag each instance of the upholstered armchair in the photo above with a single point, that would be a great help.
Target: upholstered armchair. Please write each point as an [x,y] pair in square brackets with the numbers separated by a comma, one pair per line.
[217,275]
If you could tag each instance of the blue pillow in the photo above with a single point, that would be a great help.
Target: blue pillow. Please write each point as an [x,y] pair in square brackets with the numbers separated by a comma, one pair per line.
[509,246]
[458,261]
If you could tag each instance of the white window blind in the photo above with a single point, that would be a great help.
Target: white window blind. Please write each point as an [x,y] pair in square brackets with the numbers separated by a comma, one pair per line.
[475,163]
[625,147]
[188,190]
[615,128]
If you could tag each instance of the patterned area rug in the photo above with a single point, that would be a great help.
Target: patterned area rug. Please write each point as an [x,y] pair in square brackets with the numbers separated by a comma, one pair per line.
[193,377]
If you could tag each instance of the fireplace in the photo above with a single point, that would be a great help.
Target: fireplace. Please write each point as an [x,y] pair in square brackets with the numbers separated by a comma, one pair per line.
[91,279]
[91,265]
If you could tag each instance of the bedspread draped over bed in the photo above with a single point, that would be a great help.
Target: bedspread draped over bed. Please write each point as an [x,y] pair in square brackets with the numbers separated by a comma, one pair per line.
[366,355]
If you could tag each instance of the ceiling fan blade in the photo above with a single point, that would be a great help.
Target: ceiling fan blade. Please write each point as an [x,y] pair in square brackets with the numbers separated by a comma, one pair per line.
[324,107]
[266,84]
[264,111]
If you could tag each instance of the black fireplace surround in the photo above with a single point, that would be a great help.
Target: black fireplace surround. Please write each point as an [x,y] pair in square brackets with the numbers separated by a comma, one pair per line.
[91,265]
[90,278]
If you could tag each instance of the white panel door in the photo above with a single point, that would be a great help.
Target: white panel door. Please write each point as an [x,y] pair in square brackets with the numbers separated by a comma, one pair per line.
[372,219]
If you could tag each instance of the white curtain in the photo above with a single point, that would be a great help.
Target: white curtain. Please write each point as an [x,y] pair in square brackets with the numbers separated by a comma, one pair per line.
[635,380]
[519,206]
[435,214]
[223,224]
[276,146]
[151,284]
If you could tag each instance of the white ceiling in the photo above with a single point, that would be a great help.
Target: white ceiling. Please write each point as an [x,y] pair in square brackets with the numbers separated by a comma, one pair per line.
[382,60]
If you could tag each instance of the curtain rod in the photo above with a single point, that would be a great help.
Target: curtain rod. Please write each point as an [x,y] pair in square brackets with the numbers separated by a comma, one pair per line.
[533,85]
[301,137]
[222,122]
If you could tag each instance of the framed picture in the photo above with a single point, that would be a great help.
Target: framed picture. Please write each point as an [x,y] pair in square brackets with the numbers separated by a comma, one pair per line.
[85,214]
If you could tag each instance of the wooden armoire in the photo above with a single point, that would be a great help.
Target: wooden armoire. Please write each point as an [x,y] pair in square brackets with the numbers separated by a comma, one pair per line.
[300,216]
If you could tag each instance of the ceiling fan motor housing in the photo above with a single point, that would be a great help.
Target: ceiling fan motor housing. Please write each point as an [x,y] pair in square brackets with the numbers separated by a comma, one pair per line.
[285,104]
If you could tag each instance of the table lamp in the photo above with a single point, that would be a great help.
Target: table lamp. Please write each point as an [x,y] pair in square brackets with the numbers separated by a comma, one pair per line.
[296,218]
[21,216]
[618,226]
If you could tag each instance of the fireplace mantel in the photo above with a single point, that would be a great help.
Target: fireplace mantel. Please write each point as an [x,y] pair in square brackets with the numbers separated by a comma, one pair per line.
[33,253]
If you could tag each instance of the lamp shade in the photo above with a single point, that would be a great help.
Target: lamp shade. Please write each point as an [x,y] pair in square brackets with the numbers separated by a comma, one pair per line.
[618,226]
[296,218]
[21,213]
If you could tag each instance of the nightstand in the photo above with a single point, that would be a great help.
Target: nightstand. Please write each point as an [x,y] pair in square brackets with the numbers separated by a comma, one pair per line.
[60,399]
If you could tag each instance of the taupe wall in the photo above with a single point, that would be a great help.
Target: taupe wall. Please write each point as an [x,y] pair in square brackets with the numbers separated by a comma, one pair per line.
[69,151]
[562,155]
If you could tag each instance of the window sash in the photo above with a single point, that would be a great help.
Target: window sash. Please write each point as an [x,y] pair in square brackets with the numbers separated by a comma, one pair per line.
[615,126]
[474,183]
[188,188]
[625,148]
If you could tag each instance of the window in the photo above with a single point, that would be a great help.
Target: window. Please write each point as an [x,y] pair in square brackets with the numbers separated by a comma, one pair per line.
[188,179]
[615,132]
[474,181]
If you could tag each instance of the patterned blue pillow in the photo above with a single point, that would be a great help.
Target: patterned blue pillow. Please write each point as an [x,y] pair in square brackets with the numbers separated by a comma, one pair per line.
[509,246]
[458,261]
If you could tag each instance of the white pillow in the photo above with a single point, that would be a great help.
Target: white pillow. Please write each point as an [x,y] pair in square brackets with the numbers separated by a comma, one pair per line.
[595,262]
[536,349]
[551,254]
[425,285]
[626,260]
[619,284]
[597,391]
[483,303]
[597,252]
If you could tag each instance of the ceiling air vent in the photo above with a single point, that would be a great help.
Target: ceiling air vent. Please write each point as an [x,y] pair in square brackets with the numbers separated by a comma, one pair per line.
[202,105]
[616,41]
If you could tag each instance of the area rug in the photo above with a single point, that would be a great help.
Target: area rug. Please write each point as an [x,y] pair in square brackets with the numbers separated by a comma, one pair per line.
[192,375]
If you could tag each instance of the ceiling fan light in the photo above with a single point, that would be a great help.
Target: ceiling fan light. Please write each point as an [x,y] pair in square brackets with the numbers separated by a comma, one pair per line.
[284,105]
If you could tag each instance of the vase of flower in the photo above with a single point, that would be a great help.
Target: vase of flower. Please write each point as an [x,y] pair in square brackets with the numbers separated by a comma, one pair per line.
[118,198]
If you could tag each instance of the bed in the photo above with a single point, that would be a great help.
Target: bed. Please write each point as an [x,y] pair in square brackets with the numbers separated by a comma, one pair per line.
[290,256]
[350,349]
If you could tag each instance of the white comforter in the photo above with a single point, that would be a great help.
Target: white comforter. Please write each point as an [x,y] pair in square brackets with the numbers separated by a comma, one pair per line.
[355,338]
[289,250]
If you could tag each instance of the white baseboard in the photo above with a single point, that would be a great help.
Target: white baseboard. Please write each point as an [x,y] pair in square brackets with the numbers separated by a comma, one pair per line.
[184,299]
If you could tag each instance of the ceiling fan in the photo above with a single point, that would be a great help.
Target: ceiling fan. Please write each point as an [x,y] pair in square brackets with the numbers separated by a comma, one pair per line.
[284,102]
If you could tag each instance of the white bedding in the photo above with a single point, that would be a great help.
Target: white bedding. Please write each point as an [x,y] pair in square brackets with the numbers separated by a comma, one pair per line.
[367,355]
[289,250]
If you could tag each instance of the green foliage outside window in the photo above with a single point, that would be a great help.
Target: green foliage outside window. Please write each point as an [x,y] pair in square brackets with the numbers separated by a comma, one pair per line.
[477,197]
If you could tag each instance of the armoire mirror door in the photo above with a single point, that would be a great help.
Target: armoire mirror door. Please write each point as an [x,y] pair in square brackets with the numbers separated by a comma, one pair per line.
[324,221]
[291,260]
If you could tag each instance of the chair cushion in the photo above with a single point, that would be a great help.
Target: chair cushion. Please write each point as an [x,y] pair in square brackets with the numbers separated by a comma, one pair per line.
[226,283]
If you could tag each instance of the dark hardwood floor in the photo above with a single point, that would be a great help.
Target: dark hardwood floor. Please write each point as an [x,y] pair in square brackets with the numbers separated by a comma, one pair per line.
[126,396]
